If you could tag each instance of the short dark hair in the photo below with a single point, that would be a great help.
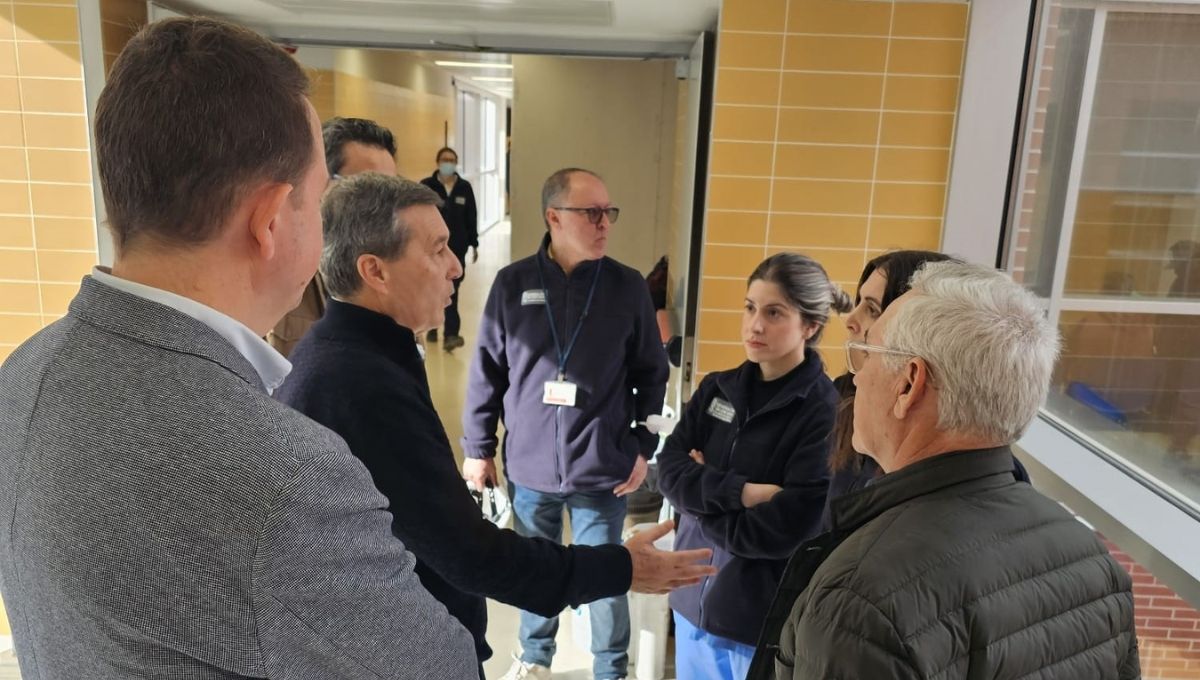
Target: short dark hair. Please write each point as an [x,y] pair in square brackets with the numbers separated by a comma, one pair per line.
[338,132]
[360,215]
[195,112]
[557,184]
[443,150]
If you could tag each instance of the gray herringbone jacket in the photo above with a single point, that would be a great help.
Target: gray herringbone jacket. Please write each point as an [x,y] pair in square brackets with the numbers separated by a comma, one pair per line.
[163,517]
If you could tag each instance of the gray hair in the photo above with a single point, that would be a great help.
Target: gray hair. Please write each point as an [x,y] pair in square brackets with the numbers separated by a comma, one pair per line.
[558,184]
[361,216]
[990,347]
[807,287]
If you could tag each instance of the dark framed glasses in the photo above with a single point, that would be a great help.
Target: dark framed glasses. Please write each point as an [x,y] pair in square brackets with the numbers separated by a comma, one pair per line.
[594,215]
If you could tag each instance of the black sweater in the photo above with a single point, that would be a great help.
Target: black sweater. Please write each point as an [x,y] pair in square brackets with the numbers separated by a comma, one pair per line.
[359,374]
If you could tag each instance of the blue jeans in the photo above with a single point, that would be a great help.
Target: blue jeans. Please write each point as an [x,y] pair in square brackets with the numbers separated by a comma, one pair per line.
[596,519]
[704,656]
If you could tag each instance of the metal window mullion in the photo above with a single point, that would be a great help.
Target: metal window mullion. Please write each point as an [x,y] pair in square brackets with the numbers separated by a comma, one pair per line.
[1075,177]
[1178,307]
[1027,125]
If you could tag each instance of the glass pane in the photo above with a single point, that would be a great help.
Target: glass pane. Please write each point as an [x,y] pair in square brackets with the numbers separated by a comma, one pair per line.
[488,140]
[1136,225]
[1050,144]
[1132,382]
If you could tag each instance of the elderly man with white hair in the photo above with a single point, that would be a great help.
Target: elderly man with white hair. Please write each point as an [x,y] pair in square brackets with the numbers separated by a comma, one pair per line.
[946,567]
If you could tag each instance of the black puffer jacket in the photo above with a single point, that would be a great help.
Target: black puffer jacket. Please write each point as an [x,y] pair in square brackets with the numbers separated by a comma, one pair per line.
[949,569]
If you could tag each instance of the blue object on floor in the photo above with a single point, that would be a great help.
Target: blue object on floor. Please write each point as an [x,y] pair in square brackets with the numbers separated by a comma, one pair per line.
[1092,399]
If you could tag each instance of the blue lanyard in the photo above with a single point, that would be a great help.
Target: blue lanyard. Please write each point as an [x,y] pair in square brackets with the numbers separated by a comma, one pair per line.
[563,355]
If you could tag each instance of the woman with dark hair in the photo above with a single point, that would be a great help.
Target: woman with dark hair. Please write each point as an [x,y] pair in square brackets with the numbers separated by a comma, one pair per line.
[747,467]
[883,279]
[459,212]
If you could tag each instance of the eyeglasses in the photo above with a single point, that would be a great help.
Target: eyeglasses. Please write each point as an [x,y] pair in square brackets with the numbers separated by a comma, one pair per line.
[857,353]
[594,215]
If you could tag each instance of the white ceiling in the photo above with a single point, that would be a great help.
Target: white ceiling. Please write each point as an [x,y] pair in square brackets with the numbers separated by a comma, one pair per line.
[647,27]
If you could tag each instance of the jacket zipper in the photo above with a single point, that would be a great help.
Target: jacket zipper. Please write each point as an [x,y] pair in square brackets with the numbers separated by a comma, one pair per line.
[560,467]
[558,448]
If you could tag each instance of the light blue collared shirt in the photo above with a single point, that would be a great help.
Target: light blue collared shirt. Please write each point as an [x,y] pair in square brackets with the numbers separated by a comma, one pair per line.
[271,365]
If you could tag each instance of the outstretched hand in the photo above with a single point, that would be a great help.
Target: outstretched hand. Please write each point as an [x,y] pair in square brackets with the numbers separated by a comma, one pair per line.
[656,571]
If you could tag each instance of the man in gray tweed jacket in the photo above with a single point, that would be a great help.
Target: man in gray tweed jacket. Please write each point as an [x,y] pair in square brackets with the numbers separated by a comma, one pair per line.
[163,517]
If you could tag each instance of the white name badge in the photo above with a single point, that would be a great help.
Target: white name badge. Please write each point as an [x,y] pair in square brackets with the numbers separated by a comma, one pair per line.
[559,393]
[533,297]
[721,410]
[461,200]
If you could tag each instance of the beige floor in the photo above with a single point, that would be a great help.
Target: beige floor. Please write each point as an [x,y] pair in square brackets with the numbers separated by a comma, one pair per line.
[447,381]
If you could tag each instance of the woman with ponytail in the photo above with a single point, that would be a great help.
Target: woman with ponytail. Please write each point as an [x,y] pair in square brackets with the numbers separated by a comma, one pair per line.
[748,466]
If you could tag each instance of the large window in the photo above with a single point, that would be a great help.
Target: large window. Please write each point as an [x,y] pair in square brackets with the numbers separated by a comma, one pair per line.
[1106,228]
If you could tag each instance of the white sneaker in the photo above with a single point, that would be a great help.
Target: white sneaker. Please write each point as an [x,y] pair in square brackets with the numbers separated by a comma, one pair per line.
[526,671]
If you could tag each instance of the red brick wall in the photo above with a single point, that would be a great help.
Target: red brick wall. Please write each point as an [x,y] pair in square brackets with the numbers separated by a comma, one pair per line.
[1168,628]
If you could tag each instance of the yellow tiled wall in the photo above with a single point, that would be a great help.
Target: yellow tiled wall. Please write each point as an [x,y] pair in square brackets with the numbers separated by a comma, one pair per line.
[831,136]
[399,90]
[47,232]
[321,92]
[120,20]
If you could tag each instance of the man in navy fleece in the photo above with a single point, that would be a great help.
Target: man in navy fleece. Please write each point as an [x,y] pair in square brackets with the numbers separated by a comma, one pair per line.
[569,356]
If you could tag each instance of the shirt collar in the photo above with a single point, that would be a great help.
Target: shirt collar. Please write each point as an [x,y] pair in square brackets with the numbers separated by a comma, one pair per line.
[984,467]
[272,368]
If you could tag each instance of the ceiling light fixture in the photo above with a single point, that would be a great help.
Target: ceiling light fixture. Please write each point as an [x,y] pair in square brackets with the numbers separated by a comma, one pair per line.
[493,79]
[472,64]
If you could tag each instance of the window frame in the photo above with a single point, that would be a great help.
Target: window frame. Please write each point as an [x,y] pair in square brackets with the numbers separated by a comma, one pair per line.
[1145,515]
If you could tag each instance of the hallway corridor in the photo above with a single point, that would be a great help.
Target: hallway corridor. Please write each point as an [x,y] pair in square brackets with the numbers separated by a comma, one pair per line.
[447,381]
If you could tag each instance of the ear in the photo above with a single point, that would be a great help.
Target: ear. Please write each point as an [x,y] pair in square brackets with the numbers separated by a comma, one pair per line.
[371,271]
[551,219]
[913,385]
[810,329]
[265,205]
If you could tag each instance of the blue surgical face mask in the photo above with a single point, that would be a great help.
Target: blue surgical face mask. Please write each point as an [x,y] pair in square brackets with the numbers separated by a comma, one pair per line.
[446,169]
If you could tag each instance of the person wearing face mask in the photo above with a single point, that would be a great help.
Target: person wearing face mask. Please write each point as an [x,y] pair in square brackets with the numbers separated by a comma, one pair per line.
[883,279]
[459,214]
[747,466]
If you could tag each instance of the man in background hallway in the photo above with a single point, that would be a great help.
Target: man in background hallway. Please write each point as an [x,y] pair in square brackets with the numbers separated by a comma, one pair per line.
[567,338]
[164,517]
[352,145]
